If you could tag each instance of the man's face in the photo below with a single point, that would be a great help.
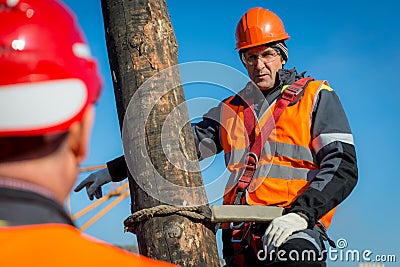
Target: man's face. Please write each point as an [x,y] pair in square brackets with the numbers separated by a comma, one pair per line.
[262,65]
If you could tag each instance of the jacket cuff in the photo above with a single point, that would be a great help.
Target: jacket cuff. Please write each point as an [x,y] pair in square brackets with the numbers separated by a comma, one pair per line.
[117,169]
[305,214]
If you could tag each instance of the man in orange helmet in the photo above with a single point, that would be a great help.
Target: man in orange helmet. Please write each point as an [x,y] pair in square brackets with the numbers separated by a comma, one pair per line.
[48,86]
[287,143]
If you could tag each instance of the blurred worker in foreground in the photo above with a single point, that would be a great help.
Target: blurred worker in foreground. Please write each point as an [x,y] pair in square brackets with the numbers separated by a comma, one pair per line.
[49,84]
[305,164]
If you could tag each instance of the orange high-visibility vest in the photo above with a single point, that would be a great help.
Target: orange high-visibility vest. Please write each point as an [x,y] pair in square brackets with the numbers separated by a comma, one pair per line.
[286,165]
[62,245]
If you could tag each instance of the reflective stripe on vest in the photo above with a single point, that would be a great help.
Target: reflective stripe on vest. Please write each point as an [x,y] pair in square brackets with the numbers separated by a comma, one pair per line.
[287,163]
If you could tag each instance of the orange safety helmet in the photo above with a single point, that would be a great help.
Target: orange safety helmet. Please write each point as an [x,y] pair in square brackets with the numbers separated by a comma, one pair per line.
[259,26]
[48,76]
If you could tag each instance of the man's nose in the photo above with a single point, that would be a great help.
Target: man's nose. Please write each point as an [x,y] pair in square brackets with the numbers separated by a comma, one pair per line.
[260,64]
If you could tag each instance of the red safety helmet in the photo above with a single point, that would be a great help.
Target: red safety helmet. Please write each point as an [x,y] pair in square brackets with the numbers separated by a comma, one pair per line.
[48,77]
[259,26]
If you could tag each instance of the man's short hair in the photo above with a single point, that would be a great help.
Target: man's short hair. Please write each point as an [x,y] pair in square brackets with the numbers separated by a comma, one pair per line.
[29,147]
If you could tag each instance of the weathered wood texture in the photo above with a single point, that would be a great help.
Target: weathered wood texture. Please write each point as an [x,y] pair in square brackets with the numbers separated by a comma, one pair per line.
[140,43]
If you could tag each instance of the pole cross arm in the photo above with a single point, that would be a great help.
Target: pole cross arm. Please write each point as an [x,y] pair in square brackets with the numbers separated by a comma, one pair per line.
[244,213]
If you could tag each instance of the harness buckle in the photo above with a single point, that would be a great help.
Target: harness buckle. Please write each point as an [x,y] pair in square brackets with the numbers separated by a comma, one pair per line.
[240,229]
[251,159]
[291,93]
[234,226]
[239,195]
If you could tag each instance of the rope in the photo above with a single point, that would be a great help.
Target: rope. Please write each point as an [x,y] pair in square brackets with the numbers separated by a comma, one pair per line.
[104,211]
[92,168]
[200,213]
[113,193]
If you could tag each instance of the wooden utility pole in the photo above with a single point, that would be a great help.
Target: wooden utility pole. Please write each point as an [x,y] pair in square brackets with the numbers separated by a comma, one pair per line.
[141,43]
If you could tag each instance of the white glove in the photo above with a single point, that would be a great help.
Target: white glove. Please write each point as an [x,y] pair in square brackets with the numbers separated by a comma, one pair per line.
[94,182]
[281,228]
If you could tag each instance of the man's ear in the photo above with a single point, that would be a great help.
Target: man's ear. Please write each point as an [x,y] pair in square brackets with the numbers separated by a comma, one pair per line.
[79,134]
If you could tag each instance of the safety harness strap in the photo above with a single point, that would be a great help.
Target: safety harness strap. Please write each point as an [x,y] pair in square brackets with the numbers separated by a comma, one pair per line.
[290,95]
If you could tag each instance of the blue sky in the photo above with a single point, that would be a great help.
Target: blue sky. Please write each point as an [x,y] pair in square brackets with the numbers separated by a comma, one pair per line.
[352,44]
